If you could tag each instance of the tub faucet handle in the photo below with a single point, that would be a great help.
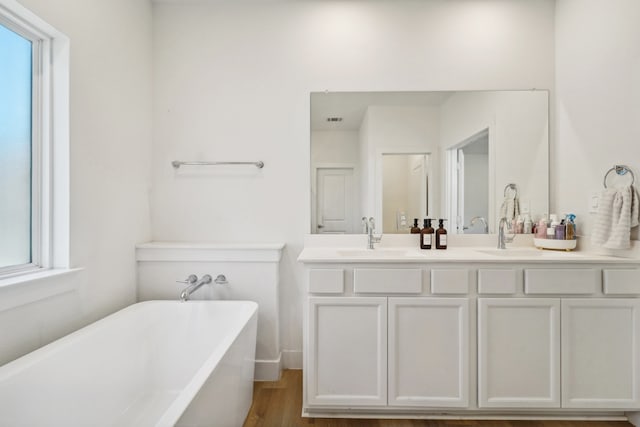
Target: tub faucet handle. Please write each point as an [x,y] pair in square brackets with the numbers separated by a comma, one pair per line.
[221,279]
[190,280]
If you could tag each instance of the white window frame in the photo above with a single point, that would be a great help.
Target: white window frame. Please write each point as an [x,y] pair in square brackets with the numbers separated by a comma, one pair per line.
[50,140]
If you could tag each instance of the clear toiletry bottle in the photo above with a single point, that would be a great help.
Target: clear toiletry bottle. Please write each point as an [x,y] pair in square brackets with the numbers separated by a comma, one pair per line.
[426,235]
[441,235]
[415,229]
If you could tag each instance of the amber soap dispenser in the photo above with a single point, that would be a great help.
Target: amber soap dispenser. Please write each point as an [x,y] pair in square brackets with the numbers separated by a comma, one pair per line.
[441,235]
[426,235]
[415,229]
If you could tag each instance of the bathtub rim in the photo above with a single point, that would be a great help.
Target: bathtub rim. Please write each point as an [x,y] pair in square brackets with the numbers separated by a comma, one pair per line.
[189,392]
[178,406]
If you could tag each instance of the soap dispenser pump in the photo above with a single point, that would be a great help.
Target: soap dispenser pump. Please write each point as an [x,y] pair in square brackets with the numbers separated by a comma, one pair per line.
[415,229]
[441,235]
[426,235]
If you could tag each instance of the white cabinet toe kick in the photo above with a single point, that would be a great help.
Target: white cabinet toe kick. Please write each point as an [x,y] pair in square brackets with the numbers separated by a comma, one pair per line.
[498,340]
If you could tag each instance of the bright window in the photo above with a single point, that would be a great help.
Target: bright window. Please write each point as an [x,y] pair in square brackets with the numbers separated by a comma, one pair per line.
[16,71]
[34,143]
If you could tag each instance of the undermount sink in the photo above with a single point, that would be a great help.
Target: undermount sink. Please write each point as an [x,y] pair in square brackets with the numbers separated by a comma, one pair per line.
[373,253]
[515,252]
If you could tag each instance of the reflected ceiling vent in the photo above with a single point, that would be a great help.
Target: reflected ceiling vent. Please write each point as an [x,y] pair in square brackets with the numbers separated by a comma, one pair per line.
[334,119]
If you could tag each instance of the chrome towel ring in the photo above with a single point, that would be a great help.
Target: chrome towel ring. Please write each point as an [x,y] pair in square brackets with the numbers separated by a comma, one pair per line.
[510,187]
[620,170]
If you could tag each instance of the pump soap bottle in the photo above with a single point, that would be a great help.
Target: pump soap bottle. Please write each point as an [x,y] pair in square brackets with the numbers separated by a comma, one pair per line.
[441,235]
[426,235]
[415,229]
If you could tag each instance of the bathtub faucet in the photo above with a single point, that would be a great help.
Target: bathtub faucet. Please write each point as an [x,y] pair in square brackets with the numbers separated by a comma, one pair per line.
[194,285]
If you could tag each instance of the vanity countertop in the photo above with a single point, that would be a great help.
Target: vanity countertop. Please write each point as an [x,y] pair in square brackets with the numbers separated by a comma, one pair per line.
[464,254]
[348,250]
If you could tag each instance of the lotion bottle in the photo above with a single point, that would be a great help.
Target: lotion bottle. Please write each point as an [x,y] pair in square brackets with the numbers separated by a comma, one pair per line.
[441,236]
[553,223]
[541,229]
[528,224]
[426,235]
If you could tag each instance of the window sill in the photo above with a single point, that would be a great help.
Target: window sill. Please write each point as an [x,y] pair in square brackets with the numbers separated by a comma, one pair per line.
[30,287]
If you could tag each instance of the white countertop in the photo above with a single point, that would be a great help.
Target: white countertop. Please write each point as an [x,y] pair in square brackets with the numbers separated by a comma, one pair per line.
[352,249]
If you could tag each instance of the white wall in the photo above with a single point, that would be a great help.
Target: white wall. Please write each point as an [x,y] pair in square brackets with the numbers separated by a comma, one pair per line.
[232,83]
[597,99]
[334,147]
[110,172]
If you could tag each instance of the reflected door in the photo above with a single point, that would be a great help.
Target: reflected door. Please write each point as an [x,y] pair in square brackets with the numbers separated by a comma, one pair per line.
[335,200]
[469,186]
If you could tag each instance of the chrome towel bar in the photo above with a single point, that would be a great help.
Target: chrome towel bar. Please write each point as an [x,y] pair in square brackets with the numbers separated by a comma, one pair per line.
[177,163]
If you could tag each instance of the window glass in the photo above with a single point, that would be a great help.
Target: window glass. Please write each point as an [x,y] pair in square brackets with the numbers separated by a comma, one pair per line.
[15,148]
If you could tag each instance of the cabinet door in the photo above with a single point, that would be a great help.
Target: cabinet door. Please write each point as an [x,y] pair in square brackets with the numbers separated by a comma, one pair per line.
[429,352]
[600,339]
[347,360]
[518,353]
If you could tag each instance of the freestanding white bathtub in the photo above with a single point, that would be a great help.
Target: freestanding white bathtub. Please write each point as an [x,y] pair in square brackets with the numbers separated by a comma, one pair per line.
[156,363]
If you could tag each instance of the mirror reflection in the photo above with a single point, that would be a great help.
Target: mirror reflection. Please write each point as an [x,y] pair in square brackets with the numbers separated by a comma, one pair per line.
[464,156]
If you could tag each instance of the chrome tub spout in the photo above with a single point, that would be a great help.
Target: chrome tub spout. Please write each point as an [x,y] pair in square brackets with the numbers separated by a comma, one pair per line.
[184,295]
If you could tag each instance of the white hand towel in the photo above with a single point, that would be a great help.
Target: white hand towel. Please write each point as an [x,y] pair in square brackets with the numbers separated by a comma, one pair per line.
[618,211]
[510,208]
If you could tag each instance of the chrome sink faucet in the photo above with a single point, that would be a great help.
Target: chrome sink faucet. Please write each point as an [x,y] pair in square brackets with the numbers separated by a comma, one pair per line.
[502,237]
[371,226]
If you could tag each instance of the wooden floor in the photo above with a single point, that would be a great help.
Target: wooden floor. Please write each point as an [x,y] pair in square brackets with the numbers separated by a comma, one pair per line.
[279,404]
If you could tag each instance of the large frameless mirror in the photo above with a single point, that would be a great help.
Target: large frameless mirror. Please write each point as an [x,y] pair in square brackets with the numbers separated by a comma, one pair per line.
[397,156]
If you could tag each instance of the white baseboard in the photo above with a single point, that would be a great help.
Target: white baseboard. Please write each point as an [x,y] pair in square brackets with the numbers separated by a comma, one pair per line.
[268,370]
[292,359]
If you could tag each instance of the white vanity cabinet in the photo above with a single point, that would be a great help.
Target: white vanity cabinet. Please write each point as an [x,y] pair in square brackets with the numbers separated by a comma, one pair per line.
[524,344]
[426,341]
[484,337]
[600,353]
[347,352]
[429,352]
[518,353]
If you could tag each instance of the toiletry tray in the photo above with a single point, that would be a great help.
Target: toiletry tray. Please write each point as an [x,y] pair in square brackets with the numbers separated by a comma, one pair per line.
[558,245]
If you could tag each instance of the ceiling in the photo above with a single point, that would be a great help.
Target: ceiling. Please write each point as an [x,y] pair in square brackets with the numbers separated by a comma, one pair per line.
[351,106]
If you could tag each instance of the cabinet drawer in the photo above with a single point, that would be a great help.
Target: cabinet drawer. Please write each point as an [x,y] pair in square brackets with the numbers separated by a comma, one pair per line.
[581,281]
[621,282]
[502,281]
[391,280]
[450,281]
[326,281]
